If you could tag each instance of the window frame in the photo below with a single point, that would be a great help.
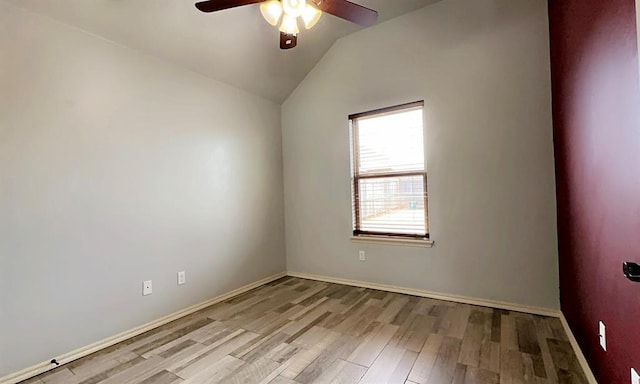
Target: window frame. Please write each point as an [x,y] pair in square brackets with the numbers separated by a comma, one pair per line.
[356,178]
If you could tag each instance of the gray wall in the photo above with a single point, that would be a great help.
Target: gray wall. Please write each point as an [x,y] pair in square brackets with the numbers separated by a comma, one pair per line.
[482,67]
[115,168]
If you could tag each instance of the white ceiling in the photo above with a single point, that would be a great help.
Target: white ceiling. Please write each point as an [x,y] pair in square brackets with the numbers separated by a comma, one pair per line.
[235,46]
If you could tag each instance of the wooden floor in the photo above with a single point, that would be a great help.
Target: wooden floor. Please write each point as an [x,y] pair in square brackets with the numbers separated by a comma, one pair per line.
[302,331]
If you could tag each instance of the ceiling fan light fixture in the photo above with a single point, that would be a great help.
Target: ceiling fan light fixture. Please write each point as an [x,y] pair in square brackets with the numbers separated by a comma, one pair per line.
[271,11]
[289,25]
[284,14]
[311,15]
[294,8]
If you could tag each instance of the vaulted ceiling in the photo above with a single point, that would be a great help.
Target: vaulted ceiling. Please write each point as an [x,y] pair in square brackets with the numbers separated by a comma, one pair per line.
[235,46]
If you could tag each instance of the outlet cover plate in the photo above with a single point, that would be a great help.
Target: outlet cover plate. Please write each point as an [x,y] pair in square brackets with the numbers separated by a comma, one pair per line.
[603,335]
[362,256]
[182,277]
[147,288]
[635,377]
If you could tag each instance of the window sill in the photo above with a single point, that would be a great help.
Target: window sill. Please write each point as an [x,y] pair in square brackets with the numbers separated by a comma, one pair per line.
[392,241]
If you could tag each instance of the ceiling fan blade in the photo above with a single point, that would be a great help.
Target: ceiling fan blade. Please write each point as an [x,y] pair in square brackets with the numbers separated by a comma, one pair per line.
[218,5]
[349,11]
[288,41]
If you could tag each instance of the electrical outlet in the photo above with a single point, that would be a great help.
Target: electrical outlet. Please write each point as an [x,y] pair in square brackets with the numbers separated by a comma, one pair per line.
[147,288]
[362,256]
[635,377]
[603,336]
[182,277]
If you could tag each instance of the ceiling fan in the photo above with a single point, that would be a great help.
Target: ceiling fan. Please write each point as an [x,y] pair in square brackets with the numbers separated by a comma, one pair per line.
[287,12]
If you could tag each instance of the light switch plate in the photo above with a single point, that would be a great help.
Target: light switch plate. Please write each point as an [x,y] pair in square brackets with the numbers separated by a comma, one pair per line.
[635,377]
[603,336]
[182,277]
[147,288]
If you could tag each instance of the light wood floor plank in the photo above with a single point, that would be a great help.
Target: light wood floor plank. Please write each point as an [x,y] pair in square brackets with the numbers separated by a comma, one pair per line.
[426,359]
[400,374]
[384,366]
[350,373]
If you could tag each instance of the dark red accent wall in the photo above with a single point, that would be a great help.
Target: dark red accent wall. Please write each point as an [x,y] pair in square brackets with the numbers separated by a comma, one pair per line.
[596,104]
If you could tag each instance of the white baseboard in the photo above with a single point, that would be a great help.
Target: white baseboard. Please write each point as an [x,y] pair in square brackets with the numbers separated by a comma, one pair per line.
[576,347]
[102,344]
[432,295]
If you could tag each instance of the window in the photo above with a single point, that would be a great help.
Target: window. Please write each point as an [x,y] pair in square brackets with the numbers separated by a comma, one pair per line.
[389,181]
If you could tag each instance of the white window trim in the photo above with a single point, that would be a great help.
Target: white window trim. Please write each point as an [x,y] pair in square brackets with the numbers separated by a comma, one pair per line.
[386,240]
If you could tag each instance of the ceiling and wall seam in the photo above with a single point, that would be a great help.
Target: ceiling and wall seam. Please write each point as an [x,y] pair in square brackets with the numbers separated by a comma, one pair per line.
[138,51]
[236,47]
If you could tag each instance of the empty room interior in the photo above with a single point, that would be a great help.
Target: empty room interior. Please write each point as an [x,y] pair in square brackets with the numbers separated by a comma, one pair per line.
[319,191]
